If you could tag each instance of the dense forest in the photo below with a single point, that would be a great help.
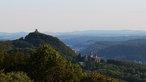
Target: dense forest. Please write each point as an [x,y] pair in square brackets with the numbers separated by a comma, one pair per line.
[45,64]
[127,71]
[131,50]
[44,58]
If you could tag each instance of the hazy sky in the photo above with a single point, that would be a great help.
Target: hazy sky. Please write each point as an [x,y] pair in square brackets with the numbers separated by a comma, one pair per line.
[72,15]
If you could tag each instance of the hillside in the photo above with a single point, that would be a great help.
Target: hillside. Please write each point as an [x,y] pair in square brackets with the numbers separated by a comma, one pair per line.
[127,71]
[124,70]
[45,64]
[36,39]
[97,46]
[131,50]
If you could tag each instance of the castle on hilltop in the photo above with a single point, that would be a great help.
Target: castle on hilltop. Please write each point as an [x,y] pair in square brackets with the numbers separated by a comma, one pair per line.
[36,31]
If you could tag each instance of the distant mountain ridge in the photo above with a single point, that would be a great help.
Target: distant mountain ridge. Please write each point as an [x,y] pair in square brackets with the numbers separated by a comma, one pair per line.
[105,33]
[12,36]
[80,40]
[89,33]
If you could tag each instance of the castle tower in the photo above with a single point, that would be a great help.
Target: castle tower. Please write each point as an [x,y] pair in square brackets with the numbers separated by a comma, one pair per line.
[97,58]
[36,31]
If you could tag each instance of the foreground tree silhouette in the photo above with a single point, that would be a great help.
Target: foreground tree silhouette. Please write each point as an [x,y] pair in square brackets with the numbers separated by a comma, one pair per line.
[47,65]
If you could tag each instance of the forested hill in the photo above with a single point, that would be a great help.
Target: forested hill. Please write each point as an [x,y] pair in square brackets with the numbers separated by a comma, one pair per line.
[35,39]
[43,58]
[131,50]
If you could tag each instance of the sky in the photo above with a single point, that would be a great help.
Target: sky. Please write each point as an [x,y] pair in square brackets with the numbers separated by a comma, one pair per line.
[71,15]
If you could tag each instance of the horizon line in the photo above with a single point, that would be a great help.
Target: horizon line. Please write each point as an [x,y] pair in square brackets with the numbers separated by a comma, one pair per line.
[73,31]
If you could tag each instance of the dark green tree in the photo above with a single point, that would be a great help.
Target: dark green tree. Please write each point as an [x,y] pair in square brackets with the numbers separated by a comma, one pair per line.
[1,58]
[1,55]
[15,61]
[14,77]
[48,65]
[79,57]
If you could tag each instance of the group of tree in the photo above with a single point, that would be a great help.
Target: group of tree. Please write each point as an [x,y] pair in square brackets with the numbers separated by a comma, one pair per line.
[127,71]
[42,58]
[131,50]
[45,64]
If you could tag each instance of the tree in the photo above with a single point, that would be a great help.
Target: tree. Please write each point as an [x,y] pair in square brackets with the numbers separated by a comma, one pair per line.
[79,57]
[14,77]
[15,61]
[1,56]
[48,65]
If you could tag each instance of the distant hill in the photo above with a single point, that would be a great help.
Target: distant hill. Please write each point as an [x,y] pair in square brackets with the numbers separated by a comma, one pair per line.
[131,50]
[80,40]
[97,46]
[35,39]
[125,52]
[104,33]
[12,36]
